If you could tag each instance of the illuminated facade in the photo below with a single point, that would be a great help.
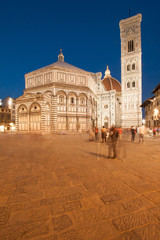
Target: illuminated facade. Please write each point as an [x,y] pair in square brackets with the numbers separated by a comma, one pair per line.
[62,97]
[58,97]
[5,118]
[131,71]
[109,101]
[10,104]
[152,109]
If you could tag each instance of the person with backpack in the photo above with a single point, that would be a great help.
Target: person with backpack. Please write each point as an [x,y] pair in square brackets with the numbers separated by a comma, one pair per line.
[113,138]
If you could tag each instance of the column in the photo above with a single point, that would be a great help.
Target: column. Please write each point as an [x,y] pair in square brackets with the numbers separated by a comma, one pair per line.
[16,118]
[67,123]
[77,120]
[89,109]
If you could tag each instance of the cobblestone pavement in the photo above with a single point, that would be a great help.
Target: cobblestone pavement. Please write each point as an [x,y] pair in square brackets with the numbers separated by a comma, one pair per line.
[63,187]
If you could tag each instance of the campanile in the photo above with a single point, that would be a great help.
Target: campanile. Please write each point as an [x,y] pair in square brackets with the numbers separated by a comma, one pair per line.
[131,70]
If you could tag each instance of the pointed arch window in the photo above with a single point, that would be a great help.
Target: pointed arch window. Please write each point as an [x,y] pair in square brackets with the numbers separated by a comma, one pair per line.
[133,84]
[128,67]
[128,84]
[133,66]
[130,46]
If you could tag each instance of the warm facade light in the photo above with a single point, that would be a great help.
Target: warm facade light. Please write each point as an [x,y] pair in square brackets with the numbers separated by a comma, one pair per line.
[1,128]
[13,128]
[143,121]
[156,112]
[10,102]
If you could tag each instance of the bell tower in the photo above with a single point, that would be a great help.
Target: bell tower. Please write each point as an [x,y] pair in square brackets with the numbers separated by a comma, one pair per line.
[131,70]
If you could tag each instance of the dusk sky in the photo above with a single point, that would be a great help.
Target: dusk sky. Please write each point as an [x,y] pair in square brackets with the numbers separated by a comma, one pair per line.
[33,32]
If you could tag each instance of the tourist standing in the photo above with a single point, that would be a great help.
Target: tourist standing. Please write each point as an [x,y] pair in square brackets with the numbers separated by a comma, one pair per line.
[103,131]
[91,135]
[133,134]
[154,132]
[96,133]
[141,133]
[113,137]
[120,133]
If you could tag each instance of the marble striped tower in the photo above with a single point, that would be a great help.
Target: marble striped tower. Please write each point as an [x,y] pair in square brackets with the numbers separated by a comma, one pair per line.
[131,71]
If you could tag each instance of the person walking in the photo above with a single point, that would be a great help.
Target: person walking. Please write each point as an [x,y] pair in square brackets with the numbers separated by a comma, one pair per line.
[113,137]
[154,132]
[103,131]
[120,133]
[96,134]
[141,133]
[133,134]
[91,135]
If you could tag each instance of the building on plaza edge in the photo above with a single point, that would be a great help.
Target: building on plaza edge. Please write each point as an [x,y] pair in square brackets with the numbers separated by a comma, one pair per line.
[62,97]
[152,109]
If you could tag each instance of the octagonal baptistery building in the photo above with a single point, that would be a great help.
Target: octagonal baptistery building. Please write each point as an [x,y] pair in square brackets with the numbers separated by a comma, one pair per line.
[58,98]
[109,101]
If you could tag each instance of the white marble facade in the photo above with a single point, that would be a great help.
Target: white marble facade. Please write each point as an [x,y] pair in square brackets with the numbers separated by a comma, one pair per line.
[62,97]
[131,71]
[59,97]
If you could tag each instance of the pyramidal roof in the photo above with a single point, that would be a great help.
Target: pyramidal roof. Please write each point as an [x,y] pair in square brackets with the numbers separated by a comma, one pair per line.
[64,65]
[61,64]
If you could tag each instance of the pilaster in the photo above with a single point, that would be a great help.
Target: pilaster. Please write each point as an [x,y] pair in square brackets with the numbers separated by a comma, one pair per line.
[89,110]
[43,117]
[16,118]
[53,114]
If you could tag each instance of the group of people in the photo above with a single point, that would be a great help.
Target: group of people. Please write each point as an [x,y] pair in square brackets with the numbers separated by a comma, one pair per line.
[141,132]
[108,135]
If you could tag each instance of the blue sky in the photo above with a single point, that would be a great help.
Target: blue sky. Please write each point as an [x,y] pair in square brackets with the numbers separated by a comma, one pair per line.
[33,32]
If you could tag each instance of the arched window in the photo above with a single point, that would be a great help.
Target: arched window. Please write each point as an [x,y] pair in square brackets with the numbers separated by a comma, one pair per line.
[82,101]
[128,67]
[61,99]
[128,84]
[72,100]
[133,66]
[130,46]
[133,84]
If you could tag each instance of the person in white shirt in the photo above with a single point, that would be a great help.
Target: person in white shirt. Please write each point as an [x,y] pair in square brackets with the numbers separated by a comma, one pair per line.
[141,133]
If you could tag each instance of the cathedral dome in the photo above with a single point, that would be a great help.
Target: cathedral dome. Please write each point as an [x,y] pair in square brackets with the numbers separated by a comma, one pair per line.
[110,83]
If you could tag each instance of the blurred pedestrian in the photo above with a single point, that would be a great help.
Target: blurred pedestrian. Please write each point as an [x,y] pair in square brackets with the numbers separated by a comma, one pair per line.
[91,135]
[96,134]
[154,132]
[103,131]
[120,133]
[133,134]
[113,138]
[141,133]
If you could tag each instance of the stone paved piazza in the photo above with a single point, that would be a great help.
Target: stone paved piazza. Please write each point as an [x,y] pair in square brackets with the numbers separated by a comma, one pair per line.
[63,187]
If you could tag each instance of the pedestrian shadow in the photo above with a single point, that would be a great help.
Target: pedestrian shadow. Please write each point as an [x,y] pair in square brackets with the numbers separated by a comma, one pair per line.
[95,154]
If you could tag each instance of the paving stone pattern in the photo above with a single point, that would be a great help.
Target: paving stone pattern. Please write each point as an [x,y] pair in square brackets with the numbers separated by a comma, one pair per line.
[63,187]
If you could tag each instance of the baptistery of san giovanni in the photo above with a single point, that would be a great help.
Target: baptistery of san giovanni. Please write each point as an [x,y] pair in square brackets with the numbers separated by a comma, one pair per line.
[62,97]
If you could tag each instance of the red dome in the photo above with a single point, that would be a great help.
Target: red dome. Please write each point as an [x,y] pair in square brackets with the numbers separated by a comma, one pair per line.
[111,84]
